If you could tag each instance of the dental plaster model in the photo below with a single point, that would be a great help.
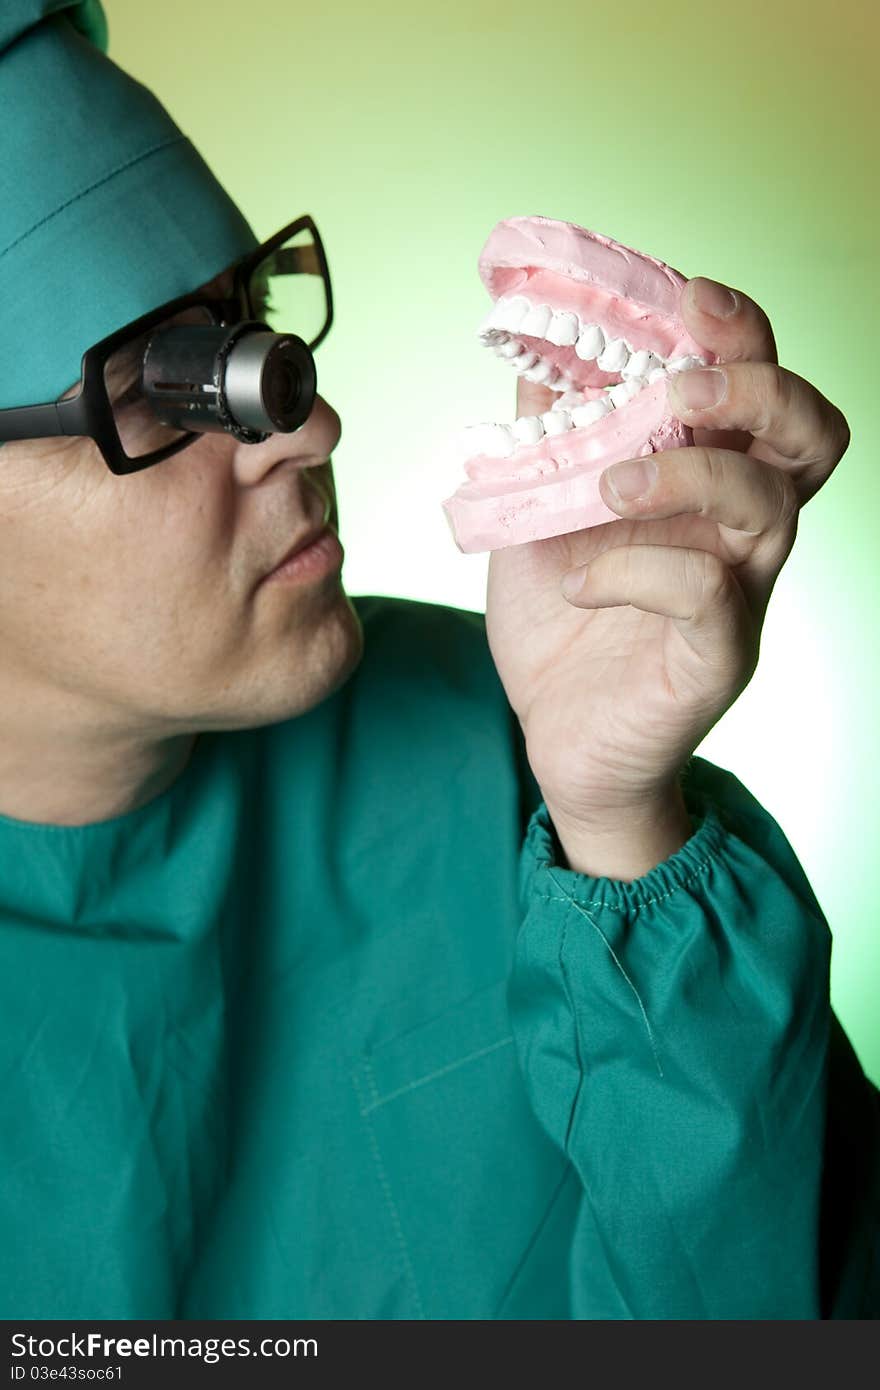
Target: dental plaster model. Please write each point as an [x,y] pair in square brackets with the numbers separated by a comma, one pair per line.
[597,323]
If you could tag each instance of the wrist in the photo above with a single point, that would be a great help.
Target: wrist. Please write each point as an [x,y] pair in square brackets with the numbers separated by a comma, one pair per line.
[624,846]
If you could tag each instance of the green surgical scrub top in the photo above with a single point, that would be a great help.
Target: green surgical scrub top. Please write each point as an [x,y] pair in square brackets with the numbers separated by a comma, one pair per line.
[328,1031]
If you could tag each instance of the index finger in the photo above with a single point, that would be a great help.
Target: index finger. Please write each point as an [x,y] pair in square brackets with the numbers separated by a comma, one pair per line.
[727,322]
[736,329]
[792,425]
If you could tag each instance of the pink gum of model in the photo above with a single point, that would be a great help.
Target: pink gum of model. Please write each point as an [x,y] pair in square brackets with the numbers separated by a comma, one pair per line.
[552,487]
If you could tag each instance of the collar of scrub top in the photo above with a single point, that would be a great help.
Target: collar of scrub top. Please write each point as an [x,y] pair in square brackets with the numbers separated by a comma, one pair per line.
[90,413]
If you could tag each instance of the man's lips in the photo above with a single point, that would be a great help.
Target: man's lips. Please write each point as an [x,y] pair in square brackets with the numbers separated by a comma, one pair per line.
[305,540]
[316,527]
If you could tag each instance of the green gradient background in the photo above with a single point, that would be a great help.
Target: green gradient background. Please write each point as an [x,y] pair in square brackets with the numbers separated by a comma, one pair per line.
[738,142]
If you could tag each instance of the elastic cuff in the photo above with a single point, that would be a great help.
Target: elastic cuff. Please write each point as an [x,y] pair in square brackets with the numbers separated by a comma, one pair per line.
[542,853]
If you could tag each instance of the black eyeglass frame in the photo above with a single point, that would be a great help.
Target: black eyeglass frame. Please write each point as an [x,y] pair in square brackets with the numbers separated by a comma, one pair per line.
[90,413]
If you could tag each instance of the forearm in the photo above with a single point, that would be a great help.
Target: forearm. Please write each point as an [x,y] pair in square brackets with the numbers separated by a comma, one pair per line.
[627,846]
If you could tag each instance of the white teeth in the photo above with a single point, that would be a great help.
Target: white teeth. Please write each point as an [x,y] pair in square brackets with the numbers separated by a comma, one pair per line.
[684,364]
[640,364]
[511,347]
[568,400]
[591,412]
[516,314]
[563,328]
[490,331]
[536,321]
[494,317]
[528,429]
[511,312]
[556,421]
[541,372]
[624,391]
[489,324]
[614,356]
[522,363]
[590,343]
[491,439]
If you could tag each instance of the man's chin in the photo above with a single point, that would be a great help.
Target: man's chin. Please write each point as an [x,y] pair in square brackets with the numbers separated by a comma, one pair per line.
[305,671]
[346,650]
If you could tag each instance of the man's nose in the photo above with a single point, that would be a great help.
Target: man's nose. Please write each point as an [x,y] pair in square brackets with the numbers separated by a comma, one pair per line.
[310,445]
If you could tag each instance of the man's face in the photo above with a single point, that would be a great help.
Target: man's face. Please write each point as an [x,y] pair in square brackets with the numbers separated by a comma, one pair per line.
[136,602]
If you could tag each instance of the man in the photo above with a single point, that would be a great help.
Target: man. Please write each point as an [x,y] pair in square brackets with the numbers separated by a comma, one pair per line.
[354,965]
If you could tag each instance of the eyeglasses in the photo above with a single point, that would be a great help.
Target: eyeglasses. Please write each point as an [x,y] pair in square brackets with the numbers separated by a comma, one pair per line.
[284,283]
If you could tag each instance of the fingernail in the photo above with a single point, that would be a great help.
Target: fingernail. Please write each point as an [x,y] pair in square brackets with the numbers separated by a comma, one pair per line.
[712,298]
[631,479]
[699,389]
[573,582]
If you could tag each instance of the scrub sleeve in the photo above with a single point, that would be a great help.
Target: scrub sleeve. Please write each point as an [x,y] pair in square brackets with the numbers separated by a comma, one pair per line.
[677,1043]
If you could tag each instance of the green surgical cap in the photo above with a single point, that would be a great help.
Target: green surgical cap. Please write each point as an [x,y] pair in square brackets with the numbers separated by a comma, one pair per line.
[106,209]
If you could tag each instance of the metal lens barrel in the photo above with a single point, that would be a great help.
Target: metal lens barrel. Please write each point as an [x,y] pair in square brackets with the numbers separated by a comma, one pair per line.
[270,382]
[244,379]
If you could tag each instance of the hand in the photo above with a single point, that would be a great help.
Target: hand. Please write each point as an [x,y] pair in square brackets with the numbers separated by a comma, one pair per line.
[616,684]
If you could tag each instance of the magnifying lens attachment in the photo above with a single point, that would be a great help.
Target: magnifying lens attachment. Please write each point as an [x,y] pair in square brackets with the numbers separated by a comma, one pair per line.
[245,380]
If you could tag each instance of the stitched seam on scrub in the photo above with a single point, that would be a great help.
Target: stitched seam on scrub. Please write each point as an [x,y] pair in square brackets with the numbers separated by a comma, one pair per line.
[611,952]
[385,1185]
[163,145]
[567,1171]
[627,907]
[431,1076]
[577,1032]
